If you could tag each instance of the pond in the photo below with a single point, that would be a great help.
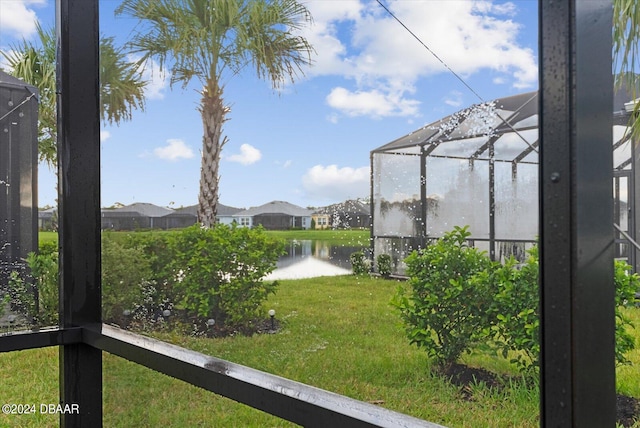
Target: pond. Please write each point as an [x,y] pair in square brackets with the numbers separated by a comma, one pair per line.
[313,258]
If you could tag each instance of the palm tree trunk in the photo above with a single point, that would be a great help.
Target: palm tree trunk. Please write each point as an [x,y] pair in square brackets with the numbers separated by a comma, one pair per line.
[214,114]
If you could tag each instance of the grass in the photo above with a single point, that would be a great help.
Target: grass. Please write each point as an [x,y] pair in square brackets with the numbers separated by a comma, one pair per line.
[351,237]
[47,237]
[336,333]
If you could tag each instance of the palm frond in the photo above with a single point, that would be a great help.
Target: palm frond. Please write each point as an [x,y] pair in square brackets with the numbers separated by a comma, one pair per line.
[122,87]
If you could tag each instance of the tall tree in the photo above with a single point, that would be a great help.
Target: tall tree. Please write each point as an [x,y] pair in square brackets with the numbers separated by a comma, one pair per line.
[214,40]
[121,84]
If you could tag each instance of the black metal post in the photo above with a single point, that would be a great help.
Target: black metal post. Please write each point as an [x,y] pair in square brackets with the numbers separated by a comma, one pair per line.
[424,207]
[79,204]
[634,195]
[492,200]
[577,291]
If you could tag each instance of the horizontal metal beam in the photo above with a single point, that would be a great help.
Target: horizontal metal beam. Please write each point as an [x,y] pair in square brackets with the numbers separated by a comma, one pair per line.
[296,402]
[31,339]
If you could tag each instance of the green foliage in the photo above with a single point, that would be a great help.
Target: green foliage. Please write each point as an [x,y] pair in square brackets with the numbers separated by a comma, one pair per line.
[359,263]
[4,301]
[627,285]
[35,294]
[219,272]
[444,310]
[454,304]
[121,85]
[513,323]
[384,264]
[125,271]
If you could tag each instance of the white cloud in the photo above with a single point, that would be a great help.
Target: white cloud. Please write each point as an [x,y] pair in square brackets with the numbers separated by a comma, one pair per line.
[333,183]
[248,155]
[104,136]
[157,81]
[361,42]
[18,18]
[371,103]
[174,150]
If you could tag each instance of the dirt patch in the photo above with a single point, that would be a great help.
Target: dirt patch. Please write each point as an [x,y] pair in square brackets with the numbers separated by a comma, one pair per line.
[627,408]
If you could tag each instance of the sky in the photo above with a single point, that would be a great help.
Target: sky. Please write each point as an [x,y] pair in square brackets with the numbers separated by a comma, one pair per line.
[370,83]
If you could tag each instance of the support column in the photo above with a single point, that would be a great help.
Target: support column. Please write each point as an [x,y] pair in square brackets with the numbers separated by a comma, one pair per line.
[79,204]
[576,252]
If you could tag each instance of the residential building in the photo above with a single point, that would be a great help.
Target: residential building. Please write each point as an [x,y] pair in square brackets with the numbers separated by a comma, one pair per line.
[275,215]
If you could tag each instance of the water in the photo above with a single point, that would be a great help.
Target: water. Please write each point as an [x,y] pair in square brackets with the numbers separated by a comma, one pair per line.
[311,258]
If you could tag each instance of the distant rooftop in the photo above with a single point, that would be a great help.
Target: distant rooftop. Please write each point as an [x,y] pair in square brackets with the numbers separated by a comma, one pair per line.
[276,207]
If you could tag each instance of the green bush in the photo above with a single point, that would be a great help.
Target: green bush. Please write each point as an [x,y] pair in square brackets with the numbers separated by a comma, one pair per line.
[35,294]
[125,272]
[384,263]
[514,316]
[219,273]
[444,311]
[359,263]
[513,322]
[159,293]
[627,285]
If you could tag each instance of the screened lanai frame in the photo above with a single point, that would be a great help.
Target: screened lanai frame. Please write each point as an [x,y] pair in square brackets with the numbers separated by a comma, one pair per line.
[479,168]
[577,362]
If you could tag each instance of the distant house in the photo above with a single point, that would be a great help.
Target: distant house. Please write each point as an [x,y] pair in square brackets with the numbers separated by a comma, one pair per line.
[48,219]
[275,215]
[225,214]
[320,220]
[135,216]
[181,218]
[351,214]
[149,216]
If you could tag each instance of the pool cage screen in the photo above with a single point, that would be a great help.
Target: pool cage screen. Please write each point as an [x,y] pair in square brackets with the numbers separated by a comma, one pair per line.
[479,168]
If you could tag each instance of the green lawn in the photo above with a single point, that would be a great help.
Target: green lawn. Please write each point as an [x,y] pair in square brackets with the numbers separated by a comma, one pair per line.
[337,333]
[351,237]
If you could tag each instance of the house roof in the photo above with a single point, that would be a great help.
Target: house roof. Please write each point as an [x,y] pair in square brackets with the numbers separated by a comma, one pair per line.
[142,208]
[223,210]
[275,207]
[189,210]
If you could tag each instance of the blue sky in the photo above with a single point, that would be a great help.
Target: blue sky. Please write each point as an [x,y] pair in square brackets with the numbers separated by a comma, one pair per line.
[309,144]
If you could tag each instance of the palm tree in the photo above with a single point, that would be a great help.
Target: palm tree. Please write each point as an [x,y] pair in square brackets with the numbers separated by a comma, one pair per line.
[214,40]
[121,87]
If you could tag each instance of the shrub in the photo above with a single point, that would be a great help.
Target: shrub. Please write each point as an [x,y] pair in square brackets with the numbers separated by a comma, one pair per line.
[443,310]
[219,272]
[125,271]
[159,293]
[513,322]
[359,263]
[384,264]
[35,294]
[627,285]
